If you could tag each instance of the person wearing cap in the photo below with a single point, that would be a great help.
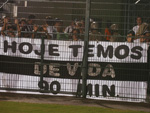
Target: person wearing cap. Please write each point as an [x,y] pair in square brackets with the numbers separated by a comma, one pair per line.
[50,26]
[130,36]
[95,35]
[29,27]
[115,36]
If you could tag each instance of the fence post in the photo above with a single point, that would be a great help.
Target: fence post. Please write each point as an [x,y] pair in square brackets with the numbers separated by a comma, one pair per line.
[148,82]
[42,59]
[85,53]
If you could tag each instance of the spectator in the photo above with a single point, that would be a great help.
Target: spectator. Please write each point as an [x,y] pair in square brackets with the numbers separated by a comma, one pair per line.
[145,37]
[31,22]
[40,32]
[23,24]
[95,35]
[139,22]
[140,32]
[83,25]
[140,27]
[9,30]
[17,27]
[1,25]
[50,26]
[115,36]
[70,28]
[83,29]
[76,35]
[79,25]
[6,22]
[107,30]
[91,20]
[130,36]
[60,35]
[29,27]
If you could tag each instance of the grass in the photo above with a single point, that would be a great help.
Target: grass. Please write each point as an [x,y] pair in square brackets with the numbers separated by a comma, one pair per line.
[18,107]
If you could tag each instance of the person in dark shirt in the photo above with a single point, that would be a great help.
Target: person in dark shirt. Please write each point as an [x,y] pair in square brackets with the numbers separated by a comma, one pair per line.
[40,32]
[23,24]
[75,35]
[115,36]
[130,36]
[10,30]
[28,29]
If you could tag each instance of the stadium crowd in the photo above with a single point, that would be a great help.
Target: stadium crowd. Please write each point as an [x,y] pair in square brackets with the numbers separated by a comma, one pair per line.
[54,29]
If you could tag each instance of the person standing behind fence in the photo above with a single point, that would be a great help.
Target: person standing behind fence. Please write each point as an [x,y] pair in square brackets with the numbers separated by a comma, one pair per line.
[29,27]
[139,29]
[69,28]
[107,30]
[95,35]
[83,28]
[139,22]
[79,24]
[50,26]
[23,24]
[10,30]
[130,36]
[115,36]
[5,24]
[60,35]
[17,28]
[145,36]
[75,35]
[1,25]
[40,32]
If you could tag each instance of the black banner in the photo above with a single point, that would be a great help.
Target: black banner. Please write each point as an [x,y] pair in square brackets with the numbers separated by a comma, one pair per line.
[96,70]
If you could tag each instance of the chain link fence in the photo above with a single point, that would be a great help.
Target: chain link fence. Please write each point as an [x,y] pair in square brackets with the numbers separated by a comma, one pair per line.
[93,49]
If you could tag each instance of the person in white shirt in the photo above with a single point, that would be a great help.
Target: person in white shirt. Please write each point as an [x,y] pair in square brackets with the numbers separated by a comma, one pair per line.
[50,26]
[139,29]
[139,22]
[70,28]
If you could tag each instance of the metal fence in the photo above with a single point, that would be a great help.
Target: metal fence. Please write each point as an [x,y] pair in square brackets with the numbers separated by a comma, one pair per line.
[84,48]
